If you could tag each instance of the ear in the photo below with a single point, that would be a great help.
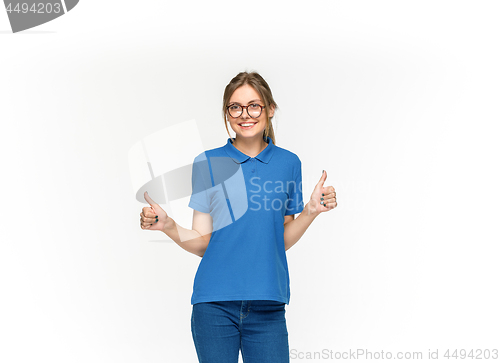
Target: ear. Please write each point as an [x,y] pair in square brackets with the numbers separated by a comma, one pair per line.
[271,111]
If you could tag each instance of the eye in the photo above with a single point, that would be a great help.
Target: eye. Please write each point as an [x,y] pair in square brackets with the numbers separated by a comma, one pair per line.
[234,107]
[254,105]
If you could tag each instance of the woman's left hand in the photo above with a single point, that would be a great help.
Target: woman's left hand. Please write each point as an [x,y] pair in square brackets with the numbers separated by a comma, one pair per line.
[323,199]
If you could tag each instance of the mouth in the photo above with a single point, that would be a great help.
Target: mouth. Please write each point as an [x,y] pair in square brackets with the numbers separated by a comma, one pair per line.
[248,125]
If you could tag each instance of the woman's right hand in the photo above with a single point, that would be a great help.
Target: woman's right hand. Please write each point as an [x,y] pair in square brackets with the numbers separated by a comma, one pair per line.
[154,217]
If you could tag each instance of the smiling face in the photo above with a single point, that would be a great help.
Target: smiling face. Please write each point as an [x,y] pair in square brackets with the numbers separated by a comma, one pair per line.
[244,96]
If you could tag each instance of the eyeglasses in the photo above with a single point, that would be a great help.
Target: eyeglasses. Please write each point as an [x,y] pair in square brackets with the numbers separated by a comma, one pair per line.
[254,110]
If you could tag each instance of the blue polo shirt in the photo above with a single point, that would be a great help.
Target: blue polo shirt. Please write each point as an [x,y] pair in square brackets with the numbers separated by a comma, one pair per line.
[247,199]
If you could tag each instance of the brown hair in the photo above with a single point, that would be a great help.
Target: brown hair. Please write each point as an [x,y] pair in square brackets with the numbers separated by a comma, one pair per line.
[258,83]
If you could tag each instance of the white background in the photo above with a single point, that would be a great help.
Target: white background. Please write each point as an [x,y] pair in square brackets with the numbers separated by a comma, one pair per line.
[398,101]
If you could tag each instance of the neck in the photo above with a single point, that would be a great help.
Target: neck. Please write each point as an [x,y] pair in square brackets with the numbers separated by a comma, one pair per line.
[250,146]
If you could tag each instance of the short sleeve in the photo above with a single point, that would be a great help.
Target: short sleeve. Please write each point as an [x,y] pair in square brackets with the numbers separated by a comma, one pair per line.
[295,203]
[199,182]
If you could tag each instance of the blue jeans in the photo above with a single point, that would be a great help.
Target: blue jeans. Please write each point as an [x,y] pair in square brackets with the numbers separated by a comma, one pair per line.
[257,327]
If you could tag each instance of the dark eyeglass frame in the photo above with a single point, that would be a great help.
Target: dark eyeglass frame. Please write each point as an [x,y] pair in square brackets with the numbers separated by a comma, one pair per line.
[243,108]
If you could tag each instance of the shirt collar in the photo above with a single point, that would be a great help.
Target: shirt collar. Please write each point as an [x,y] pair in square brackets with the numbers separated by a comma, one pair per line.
[238,157]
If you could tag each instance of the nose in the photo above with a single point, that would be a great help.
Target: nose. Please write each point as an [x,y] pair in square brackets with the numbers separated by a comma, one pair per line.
[245,113]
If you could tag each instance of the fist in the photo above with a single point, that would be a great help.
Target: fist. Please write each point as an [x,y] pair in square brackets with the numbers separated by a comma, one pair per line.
[154,217]
[323,199]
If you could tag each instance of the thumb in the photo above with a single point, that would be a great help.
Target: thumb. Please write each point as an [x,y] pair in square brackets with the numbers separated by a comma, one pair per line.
[150,201]
[322,180]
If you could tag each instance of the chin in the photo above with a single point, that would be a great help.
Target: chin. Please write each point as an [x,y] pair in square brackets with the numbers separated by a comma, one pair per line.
[251,134]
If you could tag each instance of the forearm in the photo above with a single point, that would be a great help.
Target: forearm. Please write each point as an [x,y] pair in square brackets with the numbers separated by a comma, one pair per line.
[189,239]
[297,227]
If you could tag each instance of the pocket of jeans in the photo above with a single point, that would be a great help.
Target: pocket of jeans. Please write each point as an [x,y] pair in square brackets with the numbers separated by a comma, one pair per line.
[272,304]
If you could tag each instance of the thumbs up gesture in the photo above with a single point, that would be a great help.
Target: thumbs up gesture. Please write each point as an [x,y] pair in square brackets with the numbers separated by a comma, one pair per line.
[154,217]
[323,199]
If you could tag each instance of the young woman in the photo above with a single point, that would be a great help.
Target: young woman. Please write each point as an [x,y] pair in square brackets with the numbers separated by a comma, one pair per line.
[245,197]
